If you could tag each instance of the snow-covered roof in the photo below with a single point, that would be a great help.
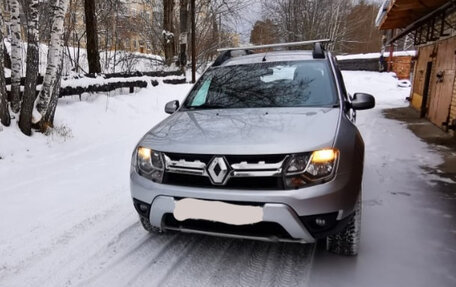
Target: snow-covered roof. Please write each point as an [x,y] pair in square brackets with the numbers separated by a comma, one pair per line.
[376,55]
[275,56]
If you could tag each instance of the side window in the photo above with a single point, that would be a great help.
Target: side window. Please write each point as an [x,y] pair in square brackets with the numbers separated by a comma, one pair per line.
[201,95]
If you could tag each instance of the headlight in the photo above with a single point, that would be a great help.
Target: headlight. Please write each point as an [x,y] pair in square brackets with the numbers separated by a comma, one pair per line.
[316,167]
[150,164]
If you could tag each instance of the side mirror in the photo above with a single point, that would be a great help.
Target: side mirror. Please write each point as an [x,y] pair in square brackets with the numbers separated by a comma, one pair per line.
[172,107]
[363,101]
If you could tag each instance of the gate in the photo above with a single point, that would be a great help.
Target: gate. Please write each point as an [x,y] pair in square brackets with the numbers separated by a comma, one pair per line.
[442,82]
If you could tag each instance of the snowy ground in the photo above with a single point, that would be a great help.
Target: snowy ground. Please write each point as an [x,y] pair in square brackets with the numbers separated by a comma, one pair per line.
[66,217]
[126,61]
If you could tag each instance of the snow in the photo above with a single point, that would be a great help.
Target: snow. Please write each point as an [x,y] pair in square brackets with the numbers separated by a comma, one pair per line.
[133,61]
[376,55]
[407,239]
[66,216]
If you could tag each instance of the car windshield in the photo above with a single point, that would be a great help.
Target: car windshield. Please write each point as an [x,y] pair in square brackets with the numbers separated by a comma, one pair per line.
[279,84]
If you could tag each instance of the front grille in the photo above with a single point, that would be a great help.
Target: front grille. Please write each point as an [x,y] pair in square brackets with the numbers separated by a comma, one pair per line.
[190,157]
[249,183]
[230,158]
[262,229]
[258,172]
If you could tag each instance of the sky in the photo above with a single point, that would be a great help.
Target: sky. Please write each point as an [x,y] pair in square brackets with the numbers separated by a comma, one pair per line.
[249,17]
[253,14]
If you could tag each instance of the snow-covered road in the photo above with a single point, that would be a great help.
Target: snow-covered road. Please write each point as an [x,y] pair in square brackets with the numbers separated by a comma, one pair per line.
[66,216]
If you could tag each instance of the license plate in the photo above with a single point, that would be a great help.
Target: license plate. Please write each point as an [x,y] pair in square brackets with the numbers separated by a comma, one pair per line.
[190,208]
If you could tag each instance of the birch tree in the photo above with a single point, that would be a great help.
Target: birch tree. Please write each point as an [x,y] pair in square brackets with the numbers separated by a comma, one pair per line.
[16,59]
[4,111]
[32,15]
[58,8]
[48,119]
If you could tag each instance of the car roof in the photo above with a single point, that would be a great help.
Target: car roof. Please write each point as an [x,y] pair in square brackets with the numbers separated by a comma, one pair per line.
[274,56]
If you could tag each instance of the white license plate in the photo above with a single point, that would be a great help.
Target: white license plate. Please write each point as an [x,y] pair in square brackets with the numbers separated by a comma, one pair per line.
[190,208]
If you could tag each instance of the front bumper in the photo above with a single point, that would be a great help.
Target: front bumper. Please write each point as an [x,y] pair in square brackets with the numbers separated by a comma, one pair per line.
[287,208]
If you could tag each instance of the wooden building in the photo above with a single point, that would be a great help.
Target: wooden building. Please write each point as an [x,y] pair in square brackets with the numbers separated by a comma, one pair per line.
[432,26]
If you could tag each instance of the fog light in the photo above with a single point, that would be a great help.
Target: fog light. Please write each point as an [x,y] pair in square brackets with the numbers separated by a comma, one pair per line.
[320,222]
[143,208]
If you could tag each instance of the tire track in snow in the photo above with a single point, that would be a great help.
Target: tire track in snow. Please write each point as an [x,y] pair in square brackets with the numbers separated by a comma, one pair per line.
[196,266]
[163,264]
[295,263]
[233,262]
[124,269]
[251,276]
[124,245]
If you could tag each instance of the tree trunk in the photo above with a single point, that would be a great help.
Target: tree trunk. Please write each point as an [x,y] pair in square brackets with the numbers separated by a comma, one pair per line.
[93,56]
[7,25]
[5,118]
[25,119]
[48,119]
[183,12]
[16,56]
[168,33]
[58,7]
[6,58]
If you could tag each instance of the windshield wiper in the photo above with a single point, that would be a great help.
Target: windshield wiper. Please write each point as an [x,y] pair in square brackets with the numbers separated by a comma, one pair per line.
[205,107]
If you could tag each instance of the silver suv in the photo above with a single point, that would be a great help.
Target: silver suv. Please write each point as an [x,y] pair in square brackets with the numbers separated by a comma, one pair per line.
[264,147]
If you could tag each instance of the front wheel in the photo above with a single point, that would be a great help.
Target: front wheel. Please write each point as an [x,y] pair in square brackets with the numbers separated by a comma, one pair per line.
[346,242]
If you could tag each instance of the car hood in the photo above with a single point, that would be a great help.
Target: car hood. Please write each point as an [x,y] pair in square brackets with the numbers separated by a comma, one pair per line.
[245,131]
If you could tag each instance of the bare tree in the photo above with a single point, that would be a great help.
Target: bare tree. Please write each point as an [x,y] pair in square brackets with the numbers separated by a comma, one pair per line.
[299,20]
[348,23]
[264,32]
[4,110]
[214,20]
[362,35]
[183,38]
[150,27]
[93,55]
[32,15]
[168,30]
[58,8]
[16,59]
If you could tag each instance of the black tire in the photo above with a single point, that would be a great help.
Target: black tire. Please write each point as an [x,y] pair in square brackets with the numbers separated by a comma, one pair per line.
[347,241]
[148,227]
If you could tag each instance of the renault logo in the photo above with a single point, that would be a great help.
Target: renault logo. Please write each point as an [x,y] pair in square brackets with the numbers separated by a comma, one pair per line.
[218,170]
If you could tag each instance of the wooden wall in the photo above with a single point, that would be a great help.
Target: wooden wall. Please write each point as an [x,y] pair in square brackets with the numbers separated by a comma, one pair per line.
[440,106]
[424,56]
[442,82]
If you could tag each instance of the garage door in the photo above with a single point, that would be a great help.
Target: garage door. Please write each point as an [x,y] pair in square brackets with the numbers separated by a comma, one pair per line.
[442,82]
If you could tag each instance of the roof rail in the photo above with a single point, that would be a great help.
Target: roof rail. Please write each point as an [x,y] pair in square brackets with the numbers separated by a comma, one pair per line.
[228,53]
[318,51]
[279,45]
